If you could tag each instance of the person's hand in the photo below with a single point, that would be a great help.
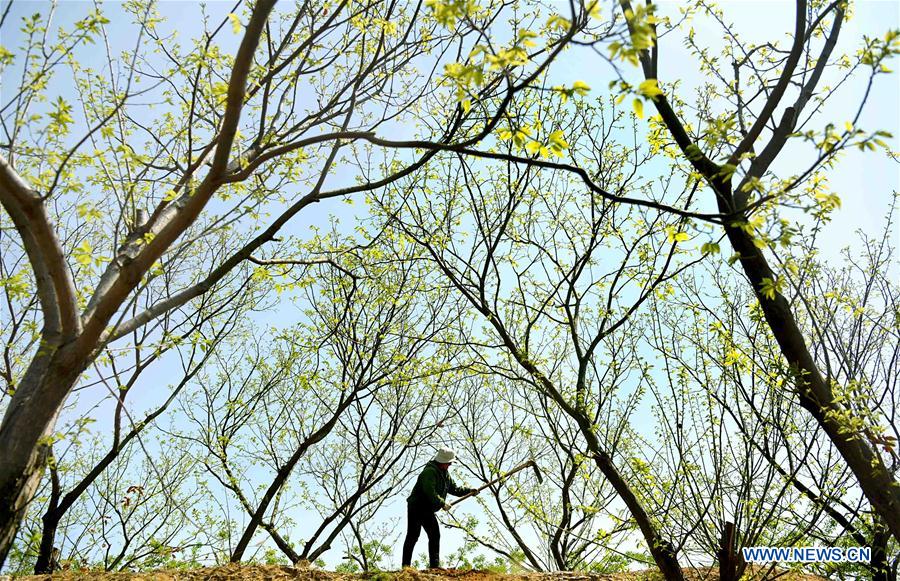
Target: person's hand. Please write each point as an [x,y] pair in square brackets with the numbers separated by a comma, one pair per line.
[446,506]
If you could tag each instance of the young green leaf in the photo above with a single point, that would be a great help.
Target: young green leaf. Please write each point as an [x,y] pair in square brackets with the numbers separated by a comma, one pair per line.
[638,107]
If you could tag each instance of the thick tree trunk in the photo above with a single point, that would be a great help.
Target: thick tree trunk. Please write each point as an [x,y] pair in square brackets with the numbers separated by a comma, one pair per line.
[815,393]
[24,437]
[729,560]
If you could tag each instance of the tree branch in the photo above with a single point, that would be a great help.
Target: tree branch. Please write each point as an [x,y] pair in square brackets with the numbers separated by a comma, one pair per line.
[761,163]
[56,289]
[769,108]
[137,257]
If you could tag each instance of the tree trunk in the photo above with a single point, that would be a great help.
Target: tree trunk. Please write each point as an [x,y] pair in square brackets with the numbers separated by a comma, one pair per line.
[44,563]
[68,339]
[662,550]
[45,560]
[280,479]
[728,557]
[25,437]
[881,569]
[815,393]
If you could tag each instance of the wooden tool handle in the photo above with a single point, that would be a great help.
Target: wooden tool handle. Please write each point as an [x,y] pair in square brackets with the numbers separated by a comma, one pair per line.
[494,481]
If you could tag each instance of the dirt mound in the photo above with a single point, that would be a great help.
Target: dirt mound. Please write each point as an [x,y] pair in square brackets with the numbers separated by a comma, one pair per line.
[233,572]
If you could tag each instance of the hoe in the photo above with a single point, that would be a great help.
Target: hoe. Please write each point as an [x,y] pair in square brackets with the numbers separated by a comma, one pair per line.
[530,464]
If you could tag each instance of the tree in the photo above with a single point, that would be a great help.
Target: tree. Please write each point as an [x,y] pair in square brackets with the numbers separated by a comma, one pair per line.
[750,191]
[196,354]
[139,199]
[570,521]
[723,409]
[749,188]
[193,145]
[552,269]
[719,342]
[342,400]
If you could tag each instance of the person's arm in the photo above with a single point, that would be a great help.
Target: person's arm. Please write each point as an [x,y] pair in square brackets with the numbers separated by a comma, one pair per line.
[458,490]
[428,480]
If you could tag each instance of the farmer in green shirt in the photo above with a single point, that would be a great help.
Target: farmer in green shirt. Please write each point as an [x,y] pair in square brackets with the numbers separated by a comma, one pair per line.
[429,495]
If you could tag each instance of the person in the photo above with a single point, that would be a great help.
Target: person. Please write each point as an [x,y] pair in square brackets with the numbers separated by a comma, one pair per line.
[429,495]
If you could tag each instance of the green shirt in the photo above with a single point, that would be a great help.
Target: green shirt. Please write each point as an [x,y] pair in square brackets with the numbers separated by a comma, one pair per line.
[432,487]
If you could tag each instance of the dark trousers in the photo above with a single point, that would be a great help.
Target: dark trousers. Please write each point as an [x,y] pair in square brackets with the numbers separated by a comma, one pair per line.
[418,518]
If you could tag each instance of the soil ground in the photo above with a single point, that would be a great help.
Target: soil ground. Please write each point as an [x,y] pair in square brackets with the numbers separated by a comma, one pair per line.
[285,573]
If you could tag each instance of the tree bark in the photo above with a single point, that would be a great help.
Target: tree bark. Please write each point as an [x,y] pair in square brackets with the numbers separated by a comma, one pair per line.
[662,550]
[25,437]
[881,568]
[44,563]
[728,558]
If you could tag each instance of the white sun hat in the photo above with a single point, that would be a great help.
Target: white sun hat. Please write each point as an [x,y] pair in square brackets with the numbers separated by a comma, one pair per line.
[444,456]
